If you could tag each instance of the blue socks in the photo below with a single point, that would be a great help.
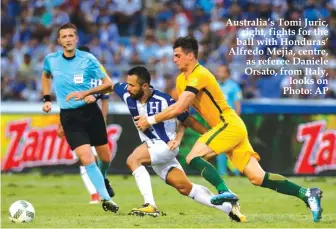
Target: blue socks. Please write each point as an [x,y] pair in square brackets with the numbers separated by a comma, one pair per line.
[222,164]
[97,180]
[103,166]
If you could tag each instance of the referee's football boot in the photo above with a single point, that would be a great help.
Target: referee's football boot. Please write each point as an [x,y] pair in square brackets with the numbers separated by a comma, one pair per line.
[313,201]
[222,197]
[146,209]
[109,187]
[110,205]
[236,215]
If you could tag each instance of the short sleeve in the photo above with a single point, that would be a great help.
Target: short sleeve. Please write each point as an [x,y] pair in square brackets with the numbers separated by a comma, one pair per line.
[46,65]
[195,83]
[95,69]
[120,89]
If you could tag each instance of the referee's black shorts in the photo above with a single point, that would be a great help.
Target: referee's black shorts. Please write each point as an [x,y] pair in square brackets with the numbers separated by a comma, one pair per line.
[84,125]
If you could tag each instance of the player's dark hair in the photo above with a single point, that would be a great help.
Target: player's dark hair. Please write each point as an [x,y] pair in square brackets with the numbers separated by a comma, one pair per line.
[67,26]
[188,44]
[142,73]
[84,48]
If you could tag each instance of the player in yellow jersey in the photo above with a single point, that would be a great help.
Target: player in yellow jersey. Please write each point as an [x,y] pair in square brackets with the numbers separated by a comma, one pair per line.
[197,87]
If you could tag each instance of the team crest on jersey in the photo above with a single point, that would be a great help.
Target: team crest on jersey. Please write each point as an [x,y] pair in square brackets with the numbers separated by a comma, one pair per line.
[154,107]
[193,82]
[78,78]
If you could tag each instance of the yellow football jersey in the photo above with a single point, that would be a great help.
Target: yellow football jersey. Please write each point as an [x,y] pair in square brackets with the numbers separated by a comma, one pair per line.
[210,102]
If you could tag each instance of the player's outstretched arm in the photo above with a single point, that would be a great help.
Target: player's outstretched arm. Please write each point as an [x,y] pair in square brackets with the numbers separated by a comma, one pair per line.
[183,103]
[192,123]
[105,87]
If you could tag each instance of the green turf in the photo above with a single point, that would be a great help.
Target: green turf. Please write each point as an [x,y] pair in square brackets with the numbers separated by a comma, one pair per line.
[62,201]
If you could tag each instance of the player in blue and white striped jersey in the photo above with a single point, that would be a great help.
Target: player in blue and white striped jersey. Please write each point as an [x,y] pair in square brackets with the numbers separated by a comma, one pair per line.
[160,143]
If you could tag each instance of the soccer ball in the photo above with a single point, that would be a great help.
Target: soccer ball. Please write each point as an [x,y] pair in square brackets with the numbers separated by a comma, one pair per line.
[21,211]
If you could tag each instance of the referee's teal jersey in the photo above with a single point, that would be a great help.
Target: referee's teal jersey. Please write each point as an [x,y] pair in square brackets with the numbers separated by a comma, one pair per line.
[72,74]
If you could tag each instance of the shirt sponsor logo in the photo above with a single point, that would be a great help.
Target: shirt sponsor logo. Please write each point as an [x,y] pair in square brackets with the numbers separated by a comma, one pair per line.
[78,78]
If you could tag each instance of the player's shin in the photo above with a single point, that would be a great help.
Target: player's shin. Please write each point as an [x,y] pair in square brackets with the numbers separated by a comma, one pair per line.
[103,166]
[203,195]
[312,197]
[86,180]
[143,182]
[222,164]
[281,184]
[209,172]
[104,159]
[89,186]
[97,180]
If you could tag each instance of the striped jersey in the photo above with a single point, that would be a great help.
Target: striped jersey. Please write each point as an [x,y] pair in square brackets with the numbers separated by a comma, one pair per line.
[156,103]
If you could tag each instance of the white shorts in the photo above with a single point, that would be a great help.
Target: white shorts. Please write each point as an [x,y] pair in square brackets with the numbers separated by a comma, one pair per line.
[162,158]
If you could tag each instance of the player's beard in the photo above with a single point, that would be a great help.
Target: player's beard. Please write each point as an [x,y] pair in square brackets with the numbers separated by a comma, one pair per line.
[138,95]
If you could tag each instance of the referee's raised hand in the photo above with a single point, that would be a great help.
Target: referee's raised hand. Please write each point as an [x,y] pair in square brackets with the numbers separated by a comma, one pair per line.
[46,107]
[77,95]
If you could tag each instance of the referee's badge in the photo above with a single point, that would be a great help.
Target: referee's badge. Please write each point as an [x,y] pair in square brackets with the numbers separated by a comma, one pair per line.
[78,78]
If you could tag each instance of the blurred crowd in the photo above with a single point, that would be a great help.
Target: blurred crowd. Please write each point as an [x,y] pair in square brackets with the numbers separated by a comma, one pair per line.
[123,33]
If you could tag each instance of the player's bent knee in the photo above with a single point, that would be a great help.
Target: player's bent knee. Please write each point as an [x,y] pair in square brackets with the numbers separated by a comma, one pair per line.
[256,180]
[189,158]
[130,161]
[133,162]
[84,154]
[183,190]
[254,172]
[183,187]
[87,160]
[209,156]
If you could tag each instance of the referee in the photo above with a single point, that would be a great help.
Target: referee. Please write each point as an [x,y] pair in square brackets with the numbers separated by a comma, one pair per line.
[83,124]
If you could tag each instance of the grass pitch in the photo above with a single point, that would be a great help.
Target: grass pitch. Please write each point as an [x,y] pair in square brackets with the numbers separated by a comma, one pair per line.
[62,202]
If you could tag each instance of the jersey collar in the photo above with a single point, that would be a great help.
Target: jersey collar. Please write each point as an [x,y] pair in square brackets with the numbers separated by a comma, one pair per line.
[153,92]
[151,95]
[198,64]
[69,58]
